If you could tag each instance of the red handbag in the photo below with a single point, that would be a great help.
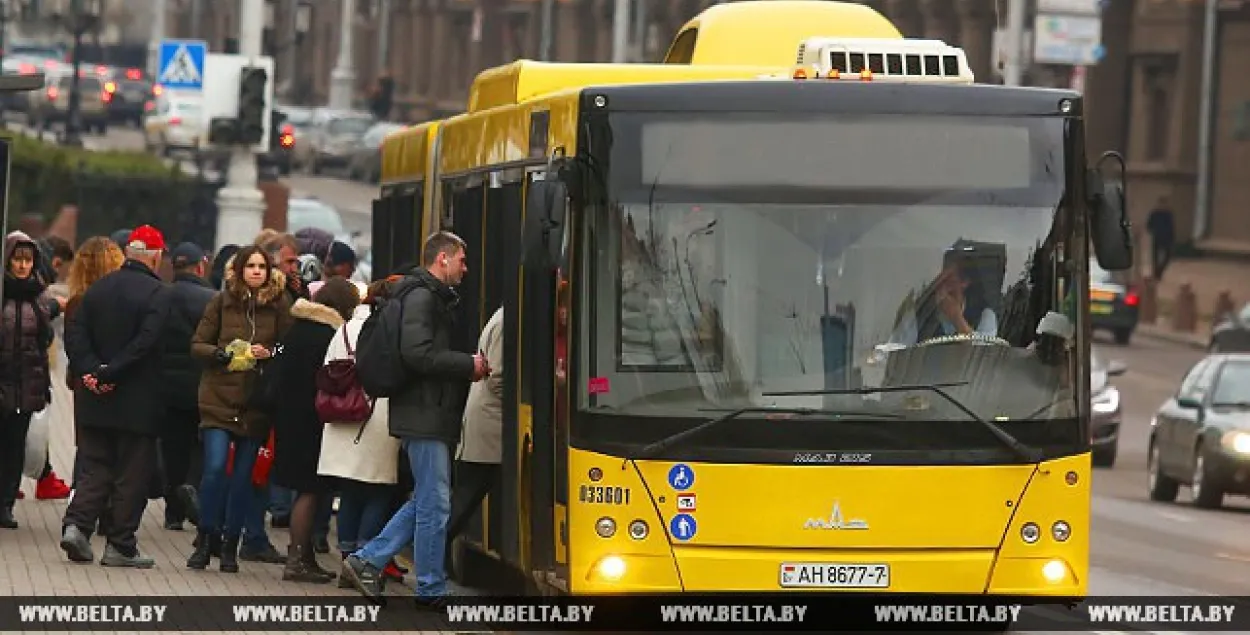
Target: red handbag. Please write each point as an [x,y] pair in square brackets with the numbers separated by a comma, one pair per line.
[340,397]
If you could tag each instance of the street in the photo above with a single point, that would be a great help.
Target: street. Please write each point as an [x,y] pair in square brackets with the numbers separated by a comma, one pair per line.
[1138,547]
[353,199]
[1199,551]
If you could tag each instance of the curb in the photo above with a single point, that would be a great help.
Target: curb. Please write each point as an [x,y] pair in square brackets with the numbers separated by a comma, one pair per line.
[1190,340]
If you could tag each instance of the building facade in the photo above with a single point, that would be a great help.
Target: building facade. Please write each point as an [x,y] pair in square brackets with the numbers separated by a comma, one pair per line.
[1142,98]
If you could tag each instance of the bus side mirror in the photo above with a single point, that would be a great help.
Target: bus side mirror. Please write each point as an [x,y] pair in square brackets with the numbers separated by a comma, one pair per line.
[1110,229]
[545,208]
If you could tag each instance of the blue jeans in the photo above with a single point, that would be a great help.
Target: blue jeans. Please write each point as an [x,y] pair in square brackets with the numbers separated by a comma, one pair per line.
[279,500]
[221,496]
[422,520]
[325,511]
[362,513]
[254,537]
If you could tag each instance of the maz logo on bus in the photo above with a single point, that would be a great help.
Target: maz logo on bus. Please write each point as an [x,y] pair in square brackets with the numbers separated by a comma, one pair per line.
[825,458]
[604,495]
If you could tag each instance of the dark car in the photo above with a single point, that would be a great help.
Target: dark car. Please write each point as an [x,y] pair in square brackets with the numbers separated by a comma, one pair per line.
[1231,332]
[1201,436]
[1105,406]
[1113,303]
[131,91]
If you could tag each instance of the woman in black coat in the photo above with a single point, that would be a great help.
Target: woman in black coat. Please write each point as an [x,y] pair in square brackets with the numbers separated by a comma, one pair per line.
[297,428]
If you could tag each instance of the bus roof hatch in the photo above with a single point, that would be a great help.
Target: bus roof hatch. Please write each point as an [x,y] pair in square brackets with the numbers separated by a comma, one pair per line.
[882,59]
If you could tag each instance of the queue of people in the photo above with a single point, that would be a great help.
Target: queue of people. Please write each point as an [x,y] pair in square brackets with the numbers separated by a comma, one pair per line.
[237,346]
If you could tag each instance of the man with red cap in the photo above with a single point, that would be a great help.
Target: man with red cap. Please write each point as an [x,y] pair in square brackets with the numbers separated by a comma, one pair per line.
[113,347]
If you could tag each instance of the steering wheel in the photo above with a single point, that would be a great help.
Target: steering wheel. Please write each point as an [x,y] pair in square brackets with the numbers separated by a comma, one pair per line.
[974,338]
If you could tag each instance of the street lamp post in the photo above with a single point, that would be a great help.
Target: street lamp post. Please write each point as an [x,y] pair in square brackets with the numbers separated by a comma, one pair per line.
[84,15]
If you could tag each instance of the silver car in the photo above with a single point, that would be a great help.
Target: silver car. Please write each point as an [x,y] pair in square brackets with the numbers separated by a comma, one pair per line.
[1105,423]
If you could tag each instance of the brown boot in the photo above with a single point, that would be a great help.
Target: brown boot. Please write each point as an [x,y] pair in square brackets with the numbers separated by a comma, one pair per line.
[310,560]
[297,568]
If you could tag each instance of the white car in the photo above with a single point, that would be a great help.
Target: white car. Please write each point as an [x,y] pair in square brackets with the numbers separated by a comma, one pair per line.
[175,122]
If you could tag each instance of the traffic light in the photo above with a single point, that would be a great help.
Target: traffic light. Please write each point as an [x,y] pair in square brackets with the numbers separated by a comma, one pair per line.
[252,82]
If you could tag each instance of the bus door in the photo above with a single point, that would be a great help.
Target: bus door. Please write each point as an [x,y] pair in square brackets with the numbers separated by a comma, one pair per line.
[542,418]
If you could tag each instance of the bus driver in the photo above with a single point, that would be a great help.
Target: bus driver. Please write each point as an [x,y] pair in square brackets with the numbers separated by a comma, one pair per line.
[957,302]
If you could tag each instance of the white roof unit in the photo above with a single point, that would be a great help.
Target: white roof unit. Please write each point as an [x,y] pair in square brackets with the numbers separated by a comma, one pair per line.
[882,59]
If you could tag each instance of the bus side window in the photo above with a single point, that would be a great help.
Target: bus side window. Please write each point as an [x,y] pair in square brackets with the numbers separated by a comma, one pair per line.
[468,203]
[446,204]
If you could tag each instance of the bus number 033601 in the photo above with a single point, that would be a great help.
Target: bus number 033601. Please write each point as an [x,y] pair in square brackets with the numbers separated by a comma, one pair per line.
[605,495]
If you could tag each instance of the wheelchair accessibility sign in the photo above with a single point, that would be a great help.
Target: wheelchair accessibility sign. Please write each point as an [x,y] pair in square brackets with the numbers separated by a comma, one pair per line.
[681,477]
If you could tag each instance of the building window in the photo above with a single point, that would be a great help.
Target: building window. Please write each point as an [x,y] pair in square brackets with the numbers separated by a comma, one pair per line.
[1158,88]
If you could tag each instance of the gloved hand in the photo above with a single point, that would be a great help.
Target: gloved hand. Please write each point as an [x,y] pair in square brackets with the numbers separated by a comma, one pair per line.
[222,357]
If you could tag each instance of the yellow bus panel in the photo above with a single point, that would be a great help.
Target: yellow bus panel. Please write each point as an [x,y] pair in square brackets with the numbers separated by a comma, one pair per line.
[769,33]
[523,80]
[941,528]
[404,154]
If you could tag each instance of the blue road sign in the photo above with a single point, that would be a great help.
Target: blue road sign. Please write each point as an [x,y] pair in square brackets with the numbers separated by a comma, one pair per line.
[181,64]
[683,527]
[681,477]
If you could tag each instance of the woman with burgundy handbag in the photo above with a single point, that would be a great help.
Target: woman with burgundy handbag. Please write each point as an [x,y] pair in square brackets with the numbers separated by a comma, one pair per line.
[357,451]
[297,425]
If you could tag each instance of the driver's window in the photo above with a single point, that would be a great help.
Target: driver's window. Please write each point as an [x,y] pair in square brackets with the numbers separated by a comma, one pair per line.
[1195,383]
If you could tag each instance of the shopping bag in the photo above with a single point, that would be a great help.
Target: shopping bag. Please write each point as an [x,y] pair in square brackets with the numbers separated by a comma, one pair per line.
[264,462]
[260,469]
[37,445]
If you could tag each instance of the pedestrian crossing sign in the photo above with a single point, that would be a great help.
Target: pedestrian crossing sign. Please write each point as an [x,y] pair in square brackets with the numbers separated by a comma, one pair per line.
[181,64]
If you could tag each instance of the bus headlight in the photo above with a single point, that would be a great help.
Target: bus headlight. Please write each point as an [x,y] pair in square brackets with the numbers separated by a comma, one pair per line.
[605,527]
[1054,571]
[1060,531]
[1030,532]
[611,568]
[1107,401]
[638,530]
[1238,442]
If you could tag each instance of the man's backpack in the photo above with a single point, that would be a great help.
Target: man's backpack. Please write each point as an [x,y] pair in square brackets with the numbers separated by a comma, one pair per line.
[379,366]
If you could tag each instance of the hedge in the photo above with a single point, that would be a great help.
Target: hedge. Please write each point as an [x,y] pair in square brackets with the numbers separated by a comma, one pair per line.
[45,176]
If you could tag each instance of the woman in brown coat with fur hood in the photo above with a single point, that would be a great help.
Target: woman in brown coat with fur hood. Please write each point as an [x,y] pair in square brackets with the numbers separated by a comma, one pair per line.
[253,308]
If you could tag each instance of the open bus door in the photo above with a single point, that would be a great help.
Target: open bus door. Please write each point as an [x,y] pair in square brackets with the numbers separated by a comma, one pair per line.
[543,420]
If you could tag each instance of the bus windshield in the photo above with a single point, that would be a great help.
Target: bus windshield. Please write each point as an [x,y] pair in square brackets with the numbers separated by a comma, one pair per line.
[907,252]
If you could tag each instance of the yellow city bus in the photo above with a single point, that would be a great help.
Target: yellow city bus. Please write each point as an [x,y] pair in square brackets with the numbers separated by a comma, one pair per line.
[829,300]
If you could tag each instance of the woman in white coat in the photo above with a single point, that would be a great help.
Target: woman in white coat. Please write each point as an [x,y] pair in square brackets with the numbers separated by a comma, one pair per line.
[481,437]
[364,457]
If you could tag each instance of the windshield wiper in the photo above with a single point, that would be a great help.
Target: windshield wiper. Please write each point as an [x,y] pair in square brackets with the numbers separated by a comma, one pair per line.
[1030,454]
[653,449]
[1231,404]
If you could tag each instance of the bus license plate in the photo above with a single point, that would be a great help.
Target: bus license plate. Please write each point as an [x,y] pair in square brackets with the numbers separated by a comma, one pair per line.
[1100,309]
[831,575]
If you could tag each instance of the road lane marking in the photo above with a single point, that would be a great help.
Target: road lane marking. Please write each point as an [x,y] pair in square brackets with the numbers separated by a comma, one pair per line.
[1180,518]
[1229,556]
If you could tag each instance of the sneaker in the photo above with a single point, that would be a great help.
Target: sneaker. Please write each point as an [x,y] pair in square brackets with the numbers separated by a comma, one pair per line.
[113,557]
[76,545]
[431,603]
[366,579]
[51,488]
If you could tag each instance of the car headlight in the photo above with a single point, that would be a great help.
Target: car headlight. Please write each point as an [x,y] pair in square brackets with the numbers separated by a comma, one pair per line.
[1107,401]
[1238,442]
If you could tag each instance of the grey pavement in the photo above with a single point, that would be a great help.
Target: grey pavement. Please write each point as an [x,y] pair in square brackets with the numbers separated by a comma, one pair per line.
[32,563]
